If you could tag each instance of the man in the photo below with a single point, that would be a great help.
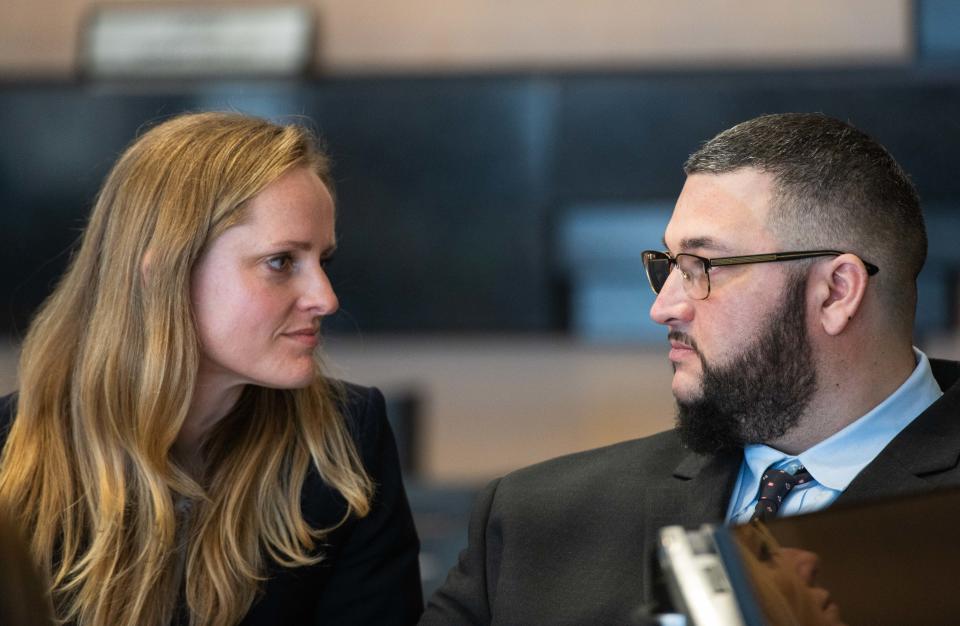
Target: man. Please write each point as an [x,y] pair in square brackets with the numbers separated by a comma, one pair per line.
[800,362]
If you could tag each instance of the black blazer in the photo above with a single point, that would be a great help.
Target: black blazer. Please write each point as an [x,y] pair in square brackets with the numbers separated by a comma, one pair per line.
[370,574]
[572,540]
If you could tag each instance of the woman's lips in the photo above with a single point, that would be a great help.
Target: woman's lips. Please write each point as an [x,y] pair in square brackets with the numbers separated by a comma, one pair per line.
[307,337]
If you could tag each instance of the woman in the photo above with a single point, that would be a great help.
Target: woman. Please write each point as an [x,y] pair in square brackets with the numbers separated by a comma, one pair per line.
[175,452]
[784,580]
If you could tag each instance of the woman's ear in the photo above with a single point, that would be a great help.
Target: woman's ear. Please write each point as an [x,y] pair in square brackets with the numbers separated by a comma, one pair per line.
[841,285]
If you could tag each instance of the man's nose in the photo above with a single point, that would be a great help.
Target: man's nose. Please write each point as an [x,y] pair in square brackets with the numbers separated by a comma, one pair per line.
[672,304]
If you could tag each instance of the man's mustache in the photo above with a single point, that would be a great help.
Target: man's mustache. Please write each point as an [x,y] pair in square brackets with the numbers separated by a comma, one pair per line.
[684,338]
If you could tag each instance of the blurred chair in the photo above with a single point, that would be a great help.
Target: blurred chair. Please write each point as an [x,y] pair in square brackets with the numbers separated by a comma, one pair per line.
[403,413]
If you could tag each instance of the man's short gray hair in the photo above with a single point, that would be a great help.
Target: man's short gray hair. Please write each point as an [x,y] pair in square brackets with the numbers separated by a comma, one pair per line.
[835,187]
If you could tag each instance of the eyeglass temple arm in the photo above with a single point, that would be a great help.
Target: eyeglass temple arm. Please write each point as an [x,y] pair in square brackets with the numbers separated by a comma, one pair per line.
[785,256]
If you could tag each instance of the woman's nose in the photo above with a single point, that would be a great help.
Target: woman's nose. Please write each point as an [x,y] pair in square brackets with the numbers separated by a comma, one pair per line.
[319,294]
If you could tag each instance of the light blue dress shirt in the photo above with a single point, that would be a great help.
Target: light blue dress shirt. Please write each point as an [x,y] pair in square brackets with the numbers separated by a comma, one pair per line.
[835,462]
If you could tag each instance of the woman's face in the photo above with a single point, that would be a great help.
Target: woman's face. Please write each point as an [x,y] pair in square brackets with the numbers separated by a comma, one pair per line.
[785,579]
[260,289]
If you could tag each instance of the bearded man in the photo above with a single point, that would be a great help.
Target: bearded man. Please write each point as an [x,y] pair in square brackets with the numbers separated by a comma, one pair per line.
[788,291]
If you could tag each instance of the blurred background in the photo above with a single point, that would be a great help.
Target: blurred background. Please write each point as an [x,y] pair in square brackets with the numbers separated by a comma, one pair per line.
[499,167]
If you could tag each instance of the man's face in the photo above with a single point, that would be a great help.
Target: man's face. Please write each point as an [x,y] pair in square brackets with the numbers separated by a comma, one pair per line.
[742,361]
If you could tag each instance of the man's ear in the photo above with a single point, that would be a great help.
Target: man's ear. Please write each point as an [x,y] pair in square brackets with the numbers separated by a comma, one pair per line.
[840,287]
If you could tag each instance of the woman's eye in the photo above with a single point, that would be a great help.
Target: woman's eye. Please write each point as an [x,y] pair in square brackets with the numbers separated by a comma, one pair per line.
[280,263]
[765,553]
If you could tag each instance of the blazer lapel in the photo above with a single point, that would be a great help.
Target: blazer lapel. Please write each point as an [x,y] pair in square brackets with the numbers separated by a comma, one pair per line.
[700,490]
[698,493]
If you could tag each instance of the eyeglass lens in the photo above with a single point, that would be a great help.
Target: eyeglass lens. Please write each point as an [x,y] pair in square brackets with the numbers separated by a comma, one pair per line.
[658,270]
[695,281]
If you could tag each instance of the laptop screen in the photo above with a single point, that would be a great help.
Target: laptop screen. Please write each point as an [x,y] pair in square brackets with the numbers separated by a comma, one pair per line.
[888,562]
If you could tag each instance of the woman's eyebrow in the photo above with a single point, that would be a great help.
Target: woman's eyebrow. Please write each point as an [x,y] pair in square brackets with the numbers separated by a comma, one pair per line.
[292,243]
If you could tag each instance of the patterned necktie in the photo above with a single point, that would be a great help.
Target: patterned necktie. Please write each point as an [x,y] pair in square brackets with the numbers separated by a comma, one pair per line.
[774,487]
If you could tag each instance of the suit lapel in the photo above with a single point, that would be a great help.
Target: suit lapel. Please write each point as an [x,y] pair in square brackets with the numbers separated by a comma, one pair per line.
[698,493]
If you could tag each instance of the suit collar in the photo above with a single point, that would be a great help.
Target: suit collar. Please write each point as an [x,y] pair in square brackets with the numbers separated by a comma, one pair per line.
[936,431]
[929,446]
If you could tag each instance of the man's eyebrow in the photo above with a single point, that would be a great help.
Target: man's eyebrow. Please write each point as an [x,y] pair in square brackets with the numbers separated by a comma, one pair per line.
[700,243]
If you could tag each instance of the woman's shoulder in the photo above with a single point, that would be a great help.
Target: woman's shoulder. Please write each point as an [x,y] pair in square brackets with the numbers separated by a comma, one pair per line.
[354,398]
[372,560]
[364,410]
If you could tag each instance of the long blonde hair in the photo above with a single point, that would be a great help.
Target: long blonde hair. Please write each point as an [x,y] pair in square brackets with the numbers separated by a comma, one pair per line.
[107,373]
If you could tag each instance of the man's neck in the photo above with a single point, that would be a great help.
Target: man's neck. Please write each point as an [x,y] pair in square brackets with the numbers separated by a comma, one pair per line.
[847,389]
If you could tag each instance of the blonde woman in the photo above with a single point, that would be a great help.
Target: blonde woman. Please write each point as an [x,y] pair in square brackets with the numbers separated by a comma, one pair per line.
[784,580]
[174,450]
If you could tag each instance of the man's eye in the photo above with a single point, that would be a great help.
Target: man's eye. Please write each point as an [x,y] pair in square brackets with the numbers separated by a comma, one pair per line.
[326,261]
[280,263]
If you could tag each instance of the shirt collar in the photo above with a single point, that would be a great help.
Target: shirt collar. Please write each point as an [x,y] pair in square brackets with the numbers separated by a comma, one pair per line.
[836,461]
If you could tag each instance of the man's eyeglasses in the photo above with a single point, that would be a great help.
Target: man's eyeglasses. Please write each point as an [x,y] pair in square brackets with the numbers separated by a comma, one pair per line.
[696,269]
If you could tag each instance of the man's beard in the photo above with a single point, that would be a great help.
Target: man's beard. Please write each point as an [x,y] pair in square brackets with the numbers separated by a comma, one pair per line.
[759,395]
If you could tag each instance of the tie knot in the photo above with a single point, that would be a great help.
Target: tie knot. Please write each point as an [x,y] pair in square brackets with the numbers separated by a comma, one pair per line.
[774,487]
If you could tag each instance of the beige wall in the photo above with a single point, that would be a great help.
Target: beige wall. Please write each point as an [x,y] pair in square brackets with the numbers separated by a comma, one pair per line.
[40,37]
[493,404]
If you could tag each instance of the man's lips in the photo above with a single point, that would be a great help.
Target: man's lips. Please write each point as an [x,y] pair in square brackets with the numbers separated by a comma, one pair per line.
[682,346]
[680,350]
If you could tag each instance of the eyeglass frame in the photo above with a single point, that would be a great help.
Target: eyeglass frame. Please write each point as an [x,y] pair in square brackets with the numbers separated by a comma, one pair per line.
[747,259]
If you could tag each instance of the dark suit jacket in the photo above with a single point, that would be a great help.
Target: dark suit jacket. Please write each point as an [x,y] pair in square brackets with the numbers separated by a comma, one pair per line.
[572,540]
[370,574]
